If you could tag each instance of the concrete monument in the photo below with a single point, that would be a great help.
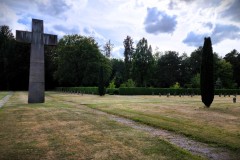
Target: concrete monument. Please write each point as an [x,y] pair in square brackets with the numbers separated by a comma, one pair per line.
[38,39]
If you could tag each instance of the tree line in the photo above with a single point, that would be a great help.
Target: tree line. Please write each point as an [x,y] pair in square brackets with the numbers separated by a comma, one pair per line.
[149,68]
[78,60]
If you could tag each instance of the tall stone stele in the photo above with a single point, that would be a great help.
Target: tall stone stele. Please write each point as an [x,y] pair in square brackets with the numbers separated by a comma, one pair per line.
[37,38]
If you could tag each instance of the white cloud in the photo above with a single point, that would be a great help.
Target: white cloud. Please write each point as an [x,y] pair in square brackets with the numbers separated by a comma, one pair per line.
[187,21]
[159,22]
[194,39]
[7,15]
[117,52]
[219,33]
[233,11]
[88,31]
[53,8]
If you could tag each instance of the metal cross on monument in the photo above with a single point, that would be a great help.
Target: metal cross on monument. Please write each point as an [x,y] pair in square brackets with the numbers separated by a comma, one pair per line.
[38,39]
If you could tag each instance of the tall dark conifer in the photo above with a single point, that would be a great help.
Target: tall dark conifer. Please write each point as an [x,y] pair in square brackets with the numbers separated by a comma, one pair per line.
[207,80]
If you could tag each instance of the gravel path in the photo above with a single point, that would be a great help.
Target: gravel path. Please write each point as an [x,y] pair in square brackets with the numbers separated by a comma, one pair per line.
[195,147]
[5,99]
[181,141]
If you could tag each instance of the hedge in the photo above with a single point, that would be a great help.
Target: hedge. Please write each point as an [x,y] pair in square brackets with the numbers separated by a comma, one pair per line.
[112,91]
[157,91]
[85,90]
[165,91]
[146,91]
[227,91]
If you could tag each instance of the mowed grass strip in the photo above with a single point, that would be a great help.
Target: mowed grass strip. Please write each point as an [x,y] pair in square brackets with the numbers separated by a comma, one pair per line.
[58,129]
[218,125]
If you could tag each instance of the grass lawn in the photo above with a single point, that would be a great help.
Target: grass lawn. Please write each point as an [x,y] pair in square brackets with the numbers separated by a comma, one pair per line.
[218,125]
[62,128]
[3,94]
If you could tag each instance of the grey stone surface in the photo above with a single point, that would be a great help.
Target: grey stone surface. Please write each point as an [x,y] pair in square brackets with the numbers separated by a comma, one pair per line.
[38,39]
[5,99]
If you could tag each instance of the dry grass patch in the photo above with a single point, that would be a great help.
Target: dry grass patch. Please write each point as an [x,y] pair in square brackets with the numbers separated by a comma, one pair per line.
[218,125]
[61,129]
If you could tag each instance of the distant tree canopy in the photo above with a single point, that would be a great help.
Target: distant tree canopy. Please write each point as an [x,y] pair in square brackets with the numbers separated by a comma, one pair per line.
[142,63]
[118,68]
[76,61]
[168,69]
[108,48]
[128,55]
[14,62]
[234,59]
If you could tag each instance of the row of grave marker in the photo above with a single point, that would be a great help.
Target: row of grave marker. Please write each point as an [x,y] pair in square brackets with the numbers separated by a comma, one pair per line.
[168,95]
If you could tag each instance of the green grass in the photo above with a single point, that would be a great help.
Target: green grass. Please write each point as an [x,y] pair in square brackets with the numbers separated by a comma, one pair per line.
[3,94]
[61,128]
[218,125]
[199,131]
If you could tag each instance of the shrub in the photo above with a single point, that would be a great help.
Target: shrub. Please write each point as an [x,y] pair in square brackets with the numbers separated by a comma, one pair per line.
[196,81]
[112,91]
[112,85]
[176,86]
[129,83]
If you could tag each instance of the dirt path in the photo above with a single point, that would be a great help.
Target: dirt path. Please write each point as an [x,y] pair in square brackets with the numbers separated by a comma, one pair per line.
[181,141]
[5,99]
[195,147]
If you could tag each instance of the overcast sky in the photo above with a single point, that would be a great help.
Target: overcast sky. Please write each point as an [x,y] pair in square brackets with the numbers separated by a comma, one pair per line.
[177,25]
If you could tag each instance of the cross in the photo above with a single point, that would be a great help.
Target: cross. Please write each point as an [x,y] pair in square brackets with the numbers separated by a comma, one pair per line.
[38,39]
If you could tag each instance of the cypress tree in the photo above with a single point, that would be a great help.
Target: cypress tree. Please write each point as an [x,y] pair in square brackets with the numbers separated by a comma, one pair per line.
[101,89]
[207,80]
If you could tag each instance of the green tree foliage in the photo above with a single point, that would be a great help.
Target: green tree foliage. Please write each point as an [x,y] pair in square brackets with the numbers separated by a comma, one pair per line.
[112,85]
[50,67]
[128,53]
[185,70]
[101,86]
[218,84]
[117,71]
[168,69]
[206,77]
[196,60]
[195,81]
[225,73]
[108,48]
[176,86]
[129,83]
[78,62]
[77,59]
[14,62]
[234,58]
[6,51]
[142,63]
